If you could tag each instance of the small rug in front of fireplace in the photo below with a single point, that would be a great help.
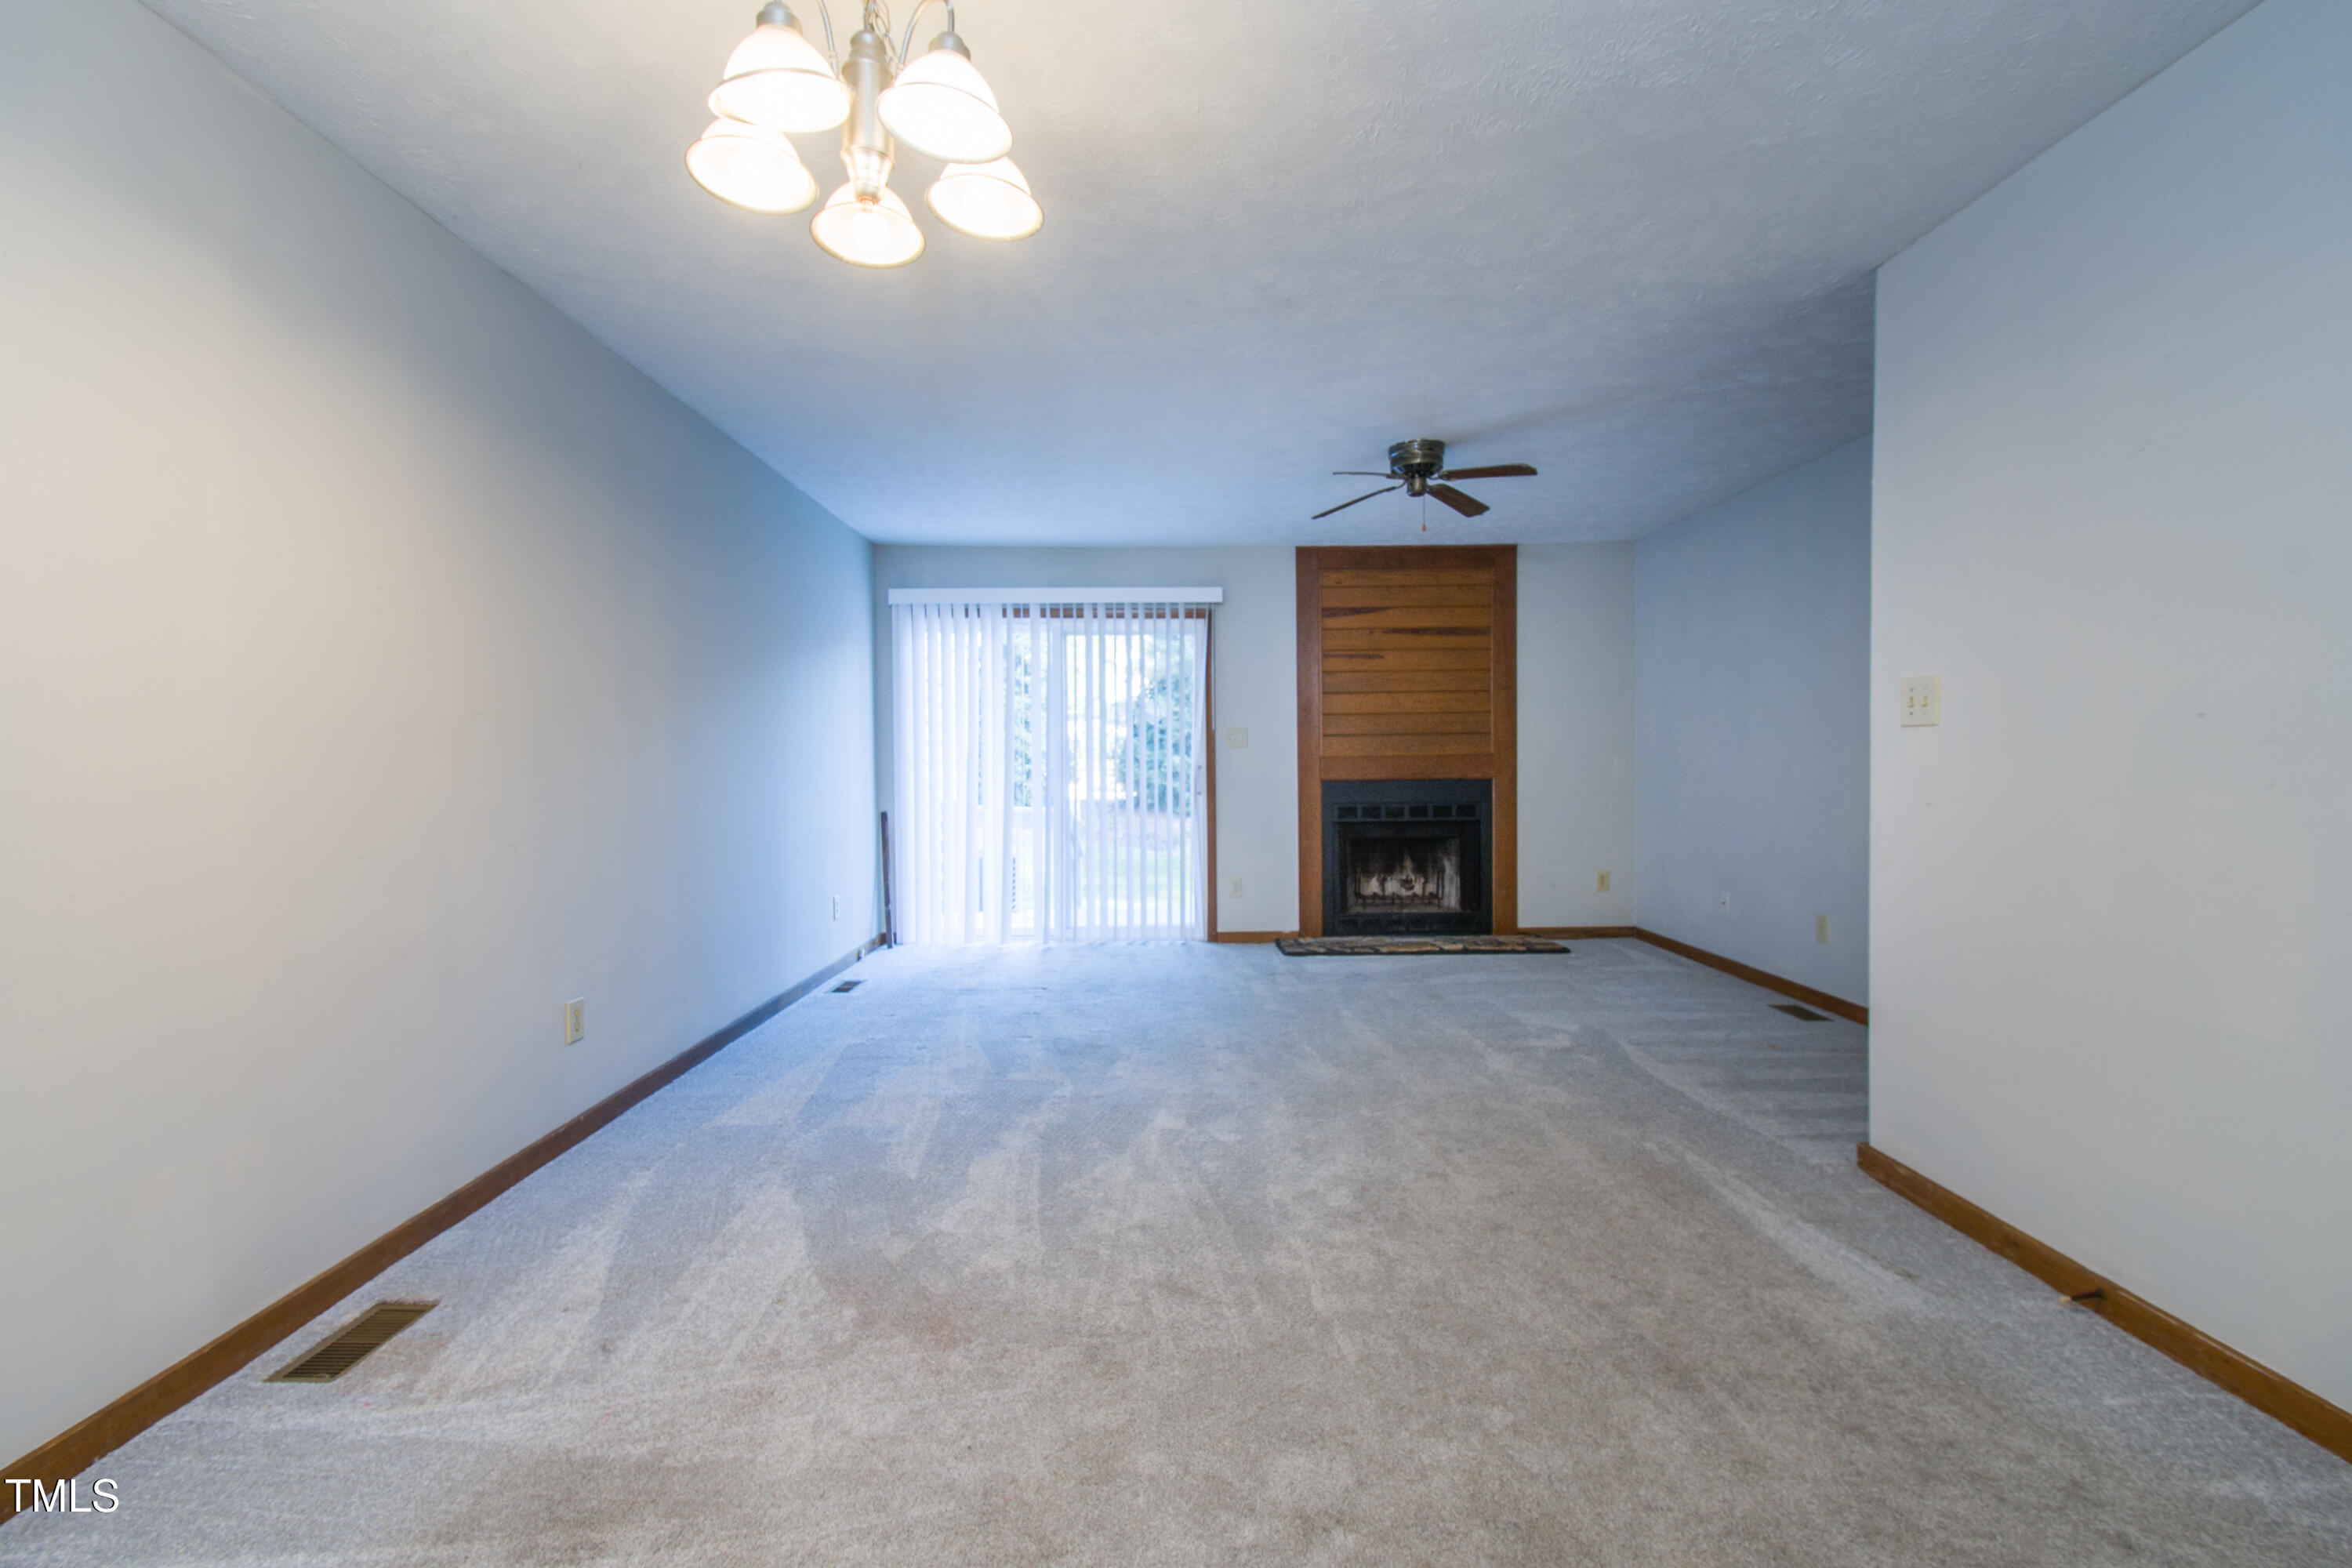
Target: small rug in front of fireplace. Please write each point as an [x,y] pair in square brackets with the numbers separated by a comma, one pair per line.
[1339,946]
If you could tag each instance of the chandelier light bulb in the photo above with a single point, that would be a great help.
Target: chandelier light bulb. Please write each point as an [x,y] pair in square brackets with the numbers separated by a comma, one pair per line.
[880,233]
[987,200]
[750,167]
[777,78]
[941,106]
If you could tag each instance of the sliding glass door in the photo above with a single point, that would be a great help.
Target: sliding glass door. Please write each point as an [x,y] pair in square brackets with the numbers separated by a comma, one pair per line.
[1049,764]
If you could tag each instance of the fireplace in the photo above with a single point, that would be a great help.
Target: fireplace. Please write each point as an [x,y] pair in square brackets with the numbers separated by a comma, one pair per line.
[1407,857]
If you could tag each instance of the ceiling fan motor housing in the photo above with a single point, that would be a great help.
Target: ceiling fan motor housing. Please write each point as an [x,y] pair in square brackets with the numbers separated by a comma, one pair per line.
[1416,462]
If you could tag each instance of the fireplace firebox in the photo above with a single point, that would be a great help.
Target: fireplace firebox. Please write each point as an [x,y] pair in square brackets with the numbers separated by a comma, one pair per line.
[1407,857]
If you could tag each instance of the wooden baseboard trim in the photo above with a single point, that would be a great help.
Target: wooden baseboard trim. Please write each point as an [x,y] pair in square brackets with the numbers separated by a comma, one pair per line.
[85,1443]
[2279,1397]
[1251,935]
[1578,934]
[1755,976]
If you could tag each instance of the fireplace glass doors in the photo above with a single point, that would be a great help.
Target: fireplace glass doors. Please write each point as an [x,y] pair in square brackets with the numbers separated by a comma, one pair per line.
[1386,874]
[1406,858]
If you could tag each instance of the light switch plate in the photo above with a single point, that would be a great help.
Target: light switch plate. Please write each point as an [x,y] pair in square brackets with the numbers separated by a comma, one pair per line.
[1923,700]
[575,1020]
[1602,886]
[1822,929]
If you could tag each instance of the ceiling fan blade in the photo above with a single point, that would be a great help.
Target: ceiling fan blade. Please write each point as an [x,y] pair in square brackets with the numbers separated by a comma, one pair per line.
[1468,506]
[1346,504]
[1363,474]
[1500,471]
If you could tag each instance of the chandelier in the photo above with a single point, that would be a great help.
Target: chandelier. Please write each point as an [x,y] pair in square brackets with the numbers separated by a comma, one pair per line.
[777,85]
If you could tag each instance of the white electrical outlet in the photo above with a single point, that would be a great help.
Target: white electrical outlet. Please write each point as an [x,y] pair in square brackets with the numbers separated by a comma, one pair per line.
[1235,890]
[1822,929]
[1237,738]
[1603,885]
[1923,700]
[575,1020]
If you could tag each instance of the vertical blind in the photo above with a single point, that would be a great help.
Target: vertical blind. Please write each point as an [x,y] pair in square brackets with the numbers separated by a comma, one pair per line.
[1049,764]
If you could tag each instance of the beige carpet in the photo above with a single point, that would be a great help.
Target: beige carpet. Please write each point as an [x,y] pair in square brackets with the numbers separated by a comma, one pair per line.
[1193,1255]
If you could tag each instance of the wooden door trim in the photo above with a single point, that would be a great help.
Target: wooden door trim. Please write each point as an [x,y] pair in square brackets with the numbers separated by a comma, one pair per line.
[1209,722]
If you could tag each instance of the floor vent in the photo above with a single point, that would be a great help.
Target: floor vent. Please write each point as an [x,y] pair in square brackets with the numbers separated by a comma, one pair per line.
[849,986]
[1807,1014]
[347,1348]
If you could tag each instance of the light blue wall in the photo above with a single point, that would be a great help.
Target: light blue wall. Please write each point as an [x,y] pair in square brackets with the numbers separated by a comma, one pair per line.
[2111,893]
[1576,734]
[1752,749]
[383,663]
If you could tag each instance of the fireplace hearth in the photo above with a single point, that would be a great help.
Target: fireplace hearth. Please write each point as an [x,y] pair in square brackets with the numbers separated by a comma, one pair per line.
[1407,857]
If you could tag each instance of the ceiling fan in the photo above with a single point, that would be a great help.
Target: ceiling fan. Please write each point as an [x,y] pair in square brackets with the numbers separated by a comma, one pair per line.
[1419,469]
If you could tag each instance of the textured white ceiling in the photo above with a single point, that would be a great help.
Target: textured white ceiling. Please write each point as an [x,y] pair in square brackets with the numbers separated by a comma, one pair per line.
[1630,241]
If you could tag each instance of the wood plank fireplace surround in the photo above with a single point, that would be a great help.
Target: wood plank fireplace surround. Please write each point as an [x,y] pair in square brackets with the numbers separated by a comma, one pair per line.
[1408,740]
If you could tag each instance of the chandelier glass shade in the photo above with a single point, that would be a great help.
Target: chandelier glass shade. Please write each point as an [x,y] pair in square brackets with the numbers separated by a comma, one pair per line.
[777,83]
[986,201]
[940,105]
[751,166]
[777,78]
[878,233]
